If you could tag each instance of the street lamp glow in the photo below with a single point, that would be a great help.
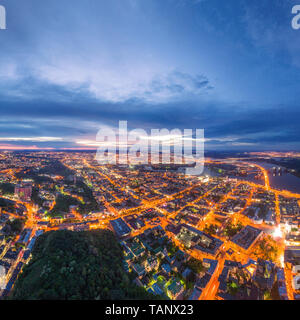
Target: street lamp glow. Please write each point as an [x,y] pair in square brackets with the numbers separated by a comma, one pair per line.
[277,233]
[288,228]
[282,261]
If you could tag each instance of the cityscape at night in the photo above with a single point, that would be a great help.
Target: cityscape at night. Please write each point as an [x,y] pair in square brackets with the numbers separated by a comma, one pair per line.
[230,233]
[92,208]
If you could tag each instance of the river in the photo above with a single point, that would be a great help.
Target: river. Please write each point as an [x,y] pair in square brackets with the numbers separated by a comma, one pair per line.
[286,181]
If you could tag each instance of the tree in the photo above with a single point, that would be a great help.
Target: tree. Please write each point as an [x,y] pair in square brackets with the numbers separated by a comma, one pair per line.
[195,265]
[232,288]
[13,227]
[68,265]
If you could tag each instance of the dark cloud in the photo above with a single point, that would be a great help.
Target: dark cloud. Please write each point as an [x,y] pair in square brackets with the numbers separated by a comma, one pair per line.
[232,68]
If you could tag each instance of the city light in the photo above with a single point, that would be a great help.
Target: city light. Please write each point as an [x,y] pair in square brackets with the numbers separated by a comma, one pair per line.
[278,233]
[214,220]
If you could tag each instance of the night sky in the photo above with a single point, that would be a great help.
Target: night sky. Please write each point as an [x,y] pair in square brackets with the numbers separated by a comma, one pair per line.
[68,67]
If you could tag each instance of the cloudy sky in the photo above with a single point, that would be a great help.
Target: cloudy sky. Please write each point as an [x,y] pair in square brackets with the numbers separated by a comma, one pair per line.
[69,67]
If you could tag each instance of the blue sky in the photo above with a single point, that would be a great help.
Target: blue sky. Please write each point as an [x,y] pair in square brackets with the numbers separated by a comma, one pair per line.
[69,67]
